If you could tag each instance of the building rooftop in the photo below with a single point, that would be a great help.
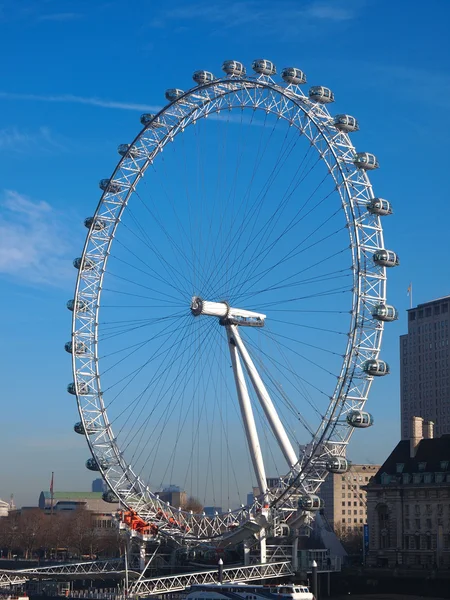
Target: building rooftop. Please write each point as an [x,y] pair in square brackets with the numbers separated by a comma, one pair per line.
[429,302]
[73,495]
[434,452]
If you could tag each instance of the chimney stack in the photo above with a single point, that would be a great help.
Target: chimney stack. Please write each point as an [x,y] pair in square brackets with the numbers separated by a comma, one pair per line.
[416,434]
[428,430]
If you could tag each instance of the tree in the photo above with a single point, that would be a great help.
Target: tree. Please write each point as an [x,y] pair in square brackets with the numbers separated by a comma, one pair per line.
[193,504]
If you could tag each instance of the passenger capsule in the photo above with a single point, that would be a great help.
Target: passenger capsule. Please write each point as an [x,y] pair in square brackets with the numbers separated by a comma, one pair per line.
[293,75]
[128,149]
[80,348]
[359,419]
[337,464]
[233,67]
[366,161]
[78,428]
[84,265]
[310,502]
[321,94]
[264,67]
[111,187]
[375,368]
[152,121]
[385,312]
[386,258]
[81,429]
[82,306]
[173,94]
[202,77]
[379,206]
[345,123]
[110,497]
[94,222]
[83,389]
[92,464]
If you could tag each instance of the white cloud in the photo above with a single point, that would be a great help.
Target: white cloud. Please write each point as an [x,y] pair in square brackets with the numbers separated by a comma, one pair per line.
[59,17]
[16,140]
[34,243]
[71,99]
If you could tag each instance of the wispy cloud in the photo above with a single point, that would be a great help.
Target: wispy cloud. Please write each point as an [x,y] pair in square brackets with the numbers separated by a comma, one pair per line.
[59,17]
[21,141]
[34,244]
[283,16]
[72,99]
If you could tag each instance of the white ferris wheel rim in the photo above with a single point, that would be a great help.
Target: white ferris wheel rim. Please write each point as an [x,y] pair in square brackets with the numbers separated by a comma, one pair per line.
[364,341]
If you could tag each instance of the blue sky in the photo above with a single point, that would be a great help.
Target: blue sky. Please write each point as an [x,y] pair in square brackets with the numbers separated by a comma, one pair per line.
[75,78]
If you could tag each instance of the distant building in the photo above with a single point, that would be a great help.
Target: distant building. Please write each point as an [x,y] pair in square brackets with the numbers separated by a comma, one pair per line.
[425,367]
[174,496]
[210,511]
[344,497]
[102,512]
[409,503]
[99,485]
[66,501]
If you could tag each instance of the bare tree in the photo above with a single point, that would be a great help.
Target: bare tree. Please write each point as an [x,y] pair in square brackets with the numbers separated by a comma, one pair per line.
[193,504]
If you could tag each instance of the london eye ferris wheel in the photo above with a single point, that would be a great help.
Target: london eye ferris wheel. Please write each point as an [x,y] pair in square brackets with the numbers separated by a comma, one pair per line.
[230,302]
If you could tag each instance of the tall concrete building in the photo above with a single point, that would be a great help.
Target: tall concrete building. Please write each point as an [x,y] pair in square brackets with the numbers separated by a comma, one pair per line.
[424,367]
[344,497]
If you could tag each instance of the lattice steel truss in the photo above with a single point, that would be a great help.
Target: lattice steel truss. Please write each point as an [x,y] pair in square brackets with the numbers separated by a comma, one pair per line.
[335,148]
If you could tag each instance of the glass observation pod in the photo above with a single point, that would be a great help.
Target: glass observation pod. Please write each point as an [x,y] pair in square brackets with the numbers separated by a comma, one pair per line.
[80,348]
[346,123]
[233,67]
[310,502]
[110,497]
[112,187]
[80,429]
[385,312]
[375,368]
[92,464]
[82,306]
[319,93]
[293,75]
[128,149]
[386,258]
[83,389]
[202,77]
[359,419]
[337,464]
[152,121]
[173,94]
[264,67]
[379,206]
[366,161]
[87,265]
[94,222]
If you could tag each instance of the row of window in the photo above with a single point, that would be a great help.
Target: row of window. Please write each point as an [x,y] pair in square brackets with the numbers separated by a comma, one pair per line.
[355,512]
[428,311]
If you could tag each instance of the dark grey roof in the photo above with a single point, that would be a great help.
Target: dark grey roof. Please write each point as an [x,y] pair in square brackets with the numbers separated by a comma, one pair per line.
[430,451]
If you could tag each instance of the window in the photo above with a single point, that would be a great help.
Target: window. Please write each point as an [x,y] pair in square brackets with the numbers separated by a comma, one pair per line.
[444,465]
[417,523]
[343,512]
[417,509]
[428,509]
[407,524]
[407,509]
[422,466]
[343,504]
[399,467]
[428,524]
